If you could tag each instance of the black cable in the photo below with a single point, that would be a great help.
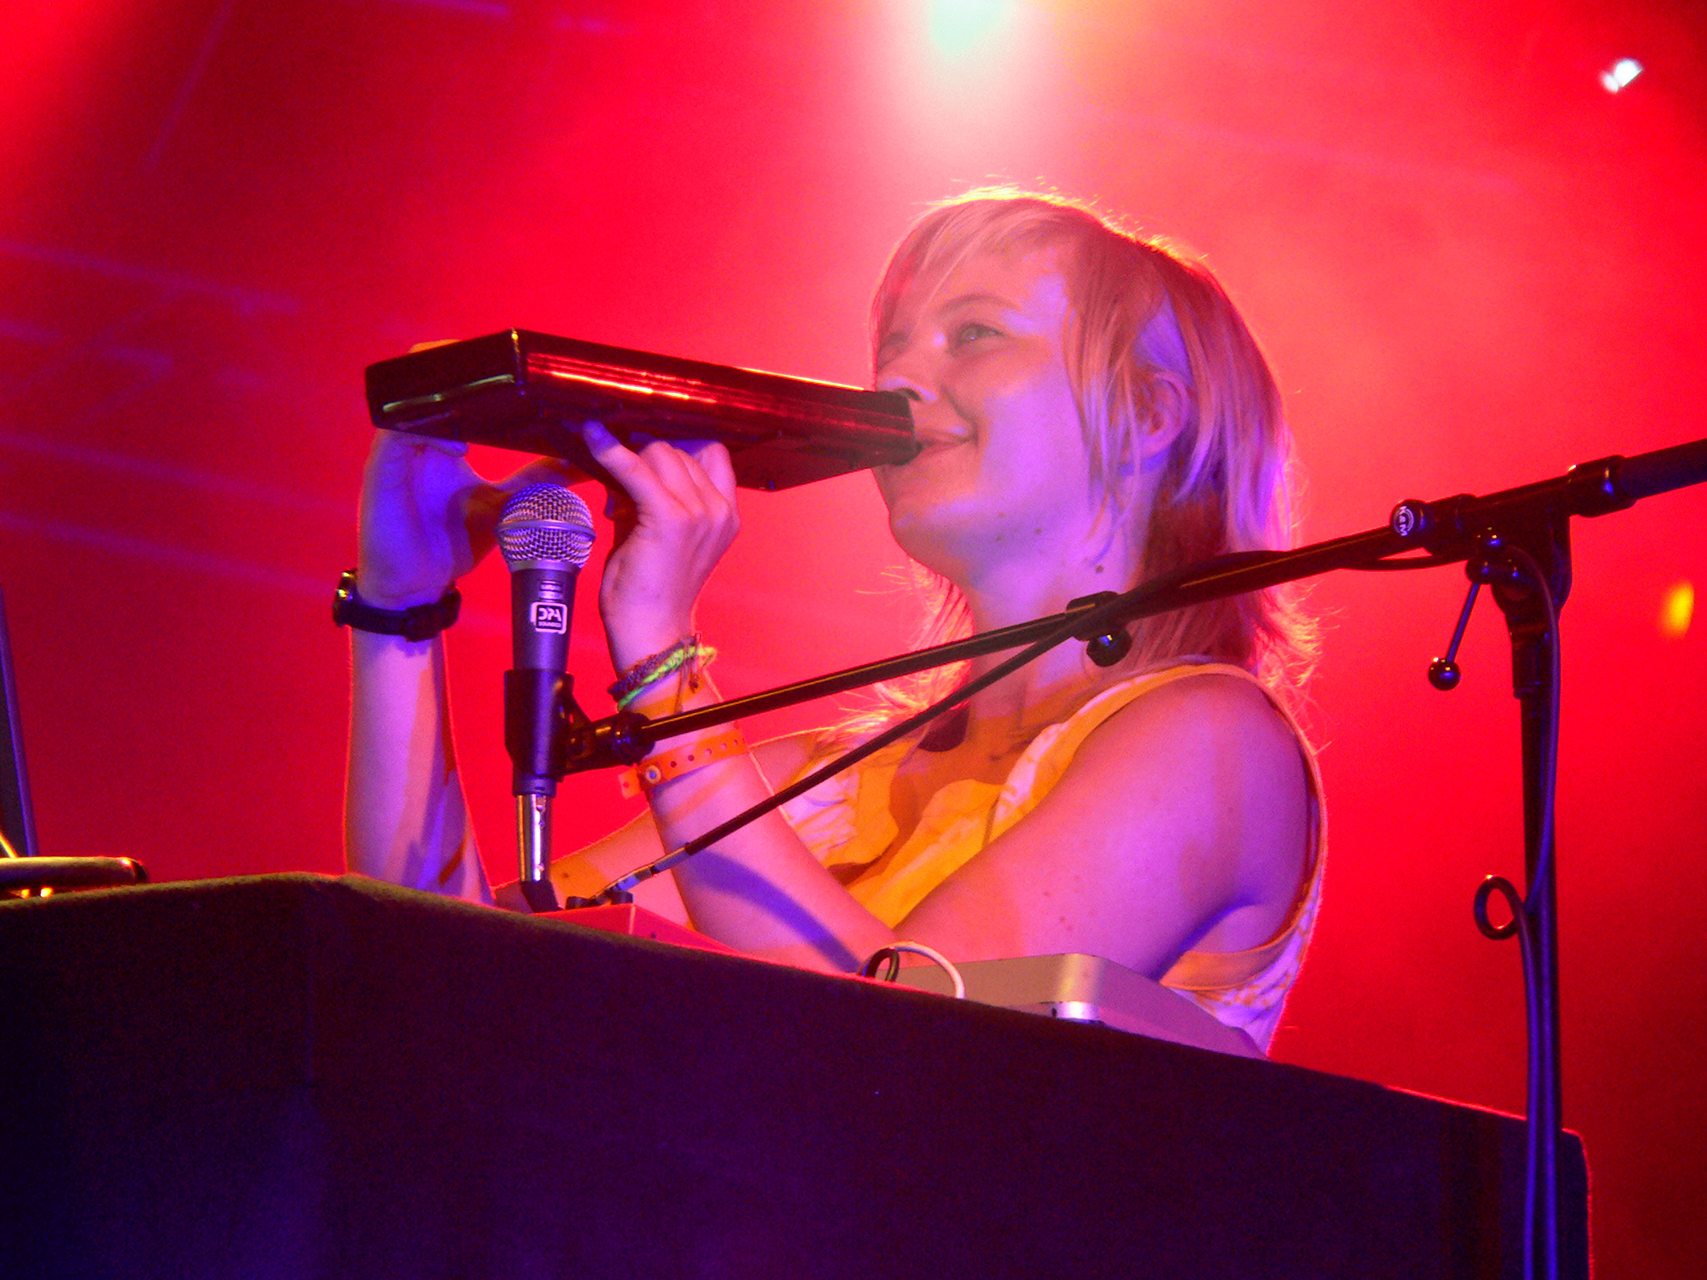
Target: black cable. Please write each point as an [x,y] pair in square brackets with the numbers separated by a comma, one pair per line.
[1541,1136]
[891,955]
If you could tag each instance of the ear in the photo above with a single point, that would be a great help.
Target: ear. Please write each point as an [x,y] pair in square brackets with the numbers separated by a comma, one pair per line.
[1170,414]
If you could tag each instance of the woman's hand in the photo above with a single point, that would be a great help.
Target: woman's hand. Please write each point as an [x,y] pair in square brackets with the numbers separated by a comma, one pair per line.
[675,517]
[427,517]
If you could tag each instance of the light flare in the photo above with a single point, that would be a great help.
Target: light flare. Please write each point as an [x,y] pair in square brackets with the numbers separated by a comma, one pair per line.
[1620,74]
[957,25]
[1678,610]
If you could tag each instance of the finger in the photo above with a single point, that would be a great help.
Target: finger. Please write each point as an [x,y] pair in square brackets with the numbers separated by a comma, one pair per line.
[624,516]
[713,495]
[674,468]
[713,457]
[638,475]
[624,465]
[482,505]
[619,506]
[695,449]
[681,463]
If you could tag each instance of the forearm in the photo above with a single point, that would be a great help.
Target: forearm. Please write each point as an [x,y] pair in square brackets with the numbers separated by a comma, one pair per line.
[760,889]
[404,815]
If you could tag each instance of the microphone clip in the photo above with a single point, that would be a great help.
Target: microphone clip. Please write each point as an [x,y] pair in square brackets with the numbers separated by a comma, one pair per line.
[539,707]
[550,737]
[623,738]
[1104,645]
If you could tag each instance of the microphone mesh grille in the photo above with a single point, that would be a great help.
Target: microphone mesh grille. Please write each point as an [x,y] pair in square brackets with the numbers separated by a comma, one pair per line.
[545,522]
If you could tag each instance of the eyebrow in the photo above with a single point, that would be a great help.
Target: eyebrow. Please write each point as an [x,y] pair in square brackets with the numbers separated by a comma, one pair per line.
[959,300]
[978,295]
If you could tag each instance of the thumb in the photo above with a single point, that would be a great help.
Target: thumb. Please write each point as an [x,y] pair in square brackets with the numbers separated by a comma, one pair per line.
[621,512]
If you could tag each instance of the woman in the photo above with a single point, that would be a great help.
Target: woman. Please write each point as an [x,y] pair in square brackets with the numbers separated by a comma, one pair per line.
[1093,413]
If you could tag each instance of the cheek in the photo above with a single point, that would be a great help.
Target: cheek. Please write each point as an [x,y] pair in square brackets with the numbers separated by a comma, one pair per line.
[1039,418]
[995,386]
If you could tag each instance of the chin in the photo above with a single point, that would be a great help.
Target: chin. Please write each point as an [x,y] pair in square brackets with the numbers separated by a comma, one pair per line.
[932,533]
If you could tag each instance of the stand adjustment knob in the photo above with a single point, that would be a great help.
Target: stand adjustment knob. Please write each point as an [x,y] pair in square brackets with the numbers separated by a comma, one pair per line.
[1444,673]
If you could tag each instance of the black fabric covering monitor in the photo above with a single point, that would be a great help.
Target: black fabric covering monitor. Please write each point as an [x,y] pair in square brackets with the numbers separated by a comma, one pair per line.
[300,1077]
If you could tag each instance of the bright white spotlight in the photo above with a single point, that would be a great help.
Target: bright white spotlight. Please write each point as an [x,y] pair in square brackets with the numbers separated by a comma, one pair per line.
[956,25]
[1623,72]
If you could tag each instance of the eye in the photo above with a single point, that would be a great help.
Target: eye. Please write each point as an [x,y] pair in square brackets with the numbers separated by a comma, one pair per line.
[972,331]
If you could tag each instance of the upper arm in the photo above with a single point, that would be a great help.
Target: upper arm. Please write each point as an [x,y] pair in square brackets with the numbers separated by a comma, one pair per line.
[1182,821]
[781,758]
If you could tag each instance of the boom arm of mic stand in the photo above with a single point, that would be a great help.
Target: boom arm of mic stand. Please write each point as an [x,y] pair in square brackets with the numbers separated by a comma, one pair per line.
[626,737]
[1446,528]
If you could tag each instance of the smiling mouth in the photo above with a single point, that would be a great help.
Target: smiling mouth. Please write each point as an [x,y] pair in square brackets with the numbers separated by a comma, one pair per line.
[928,444]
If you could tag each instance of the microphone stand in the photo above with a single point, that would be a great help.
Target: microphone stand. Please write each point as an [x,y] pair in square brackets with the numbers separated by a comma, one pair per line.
[1517,541]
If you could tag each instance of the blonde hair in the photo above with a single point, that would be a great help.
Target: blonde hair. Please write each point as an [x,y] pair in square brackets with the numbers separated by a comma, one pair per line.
[1141,310]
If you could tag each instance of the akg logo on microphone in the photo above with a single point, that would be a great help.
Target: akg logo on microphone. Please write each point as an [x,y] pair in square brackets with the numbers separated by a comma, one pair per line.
[552,616]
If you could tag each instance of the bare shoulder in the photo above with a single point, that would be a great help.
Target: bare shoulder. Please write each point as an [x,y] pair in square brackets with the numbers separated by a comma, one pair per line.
[1212,710]
[1214,751]
[1181,822]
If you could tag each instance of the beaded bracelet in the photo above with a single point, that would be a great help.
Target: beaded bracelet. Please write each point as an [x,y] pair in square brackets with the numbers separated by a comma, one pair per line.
[687,655]
[656,770]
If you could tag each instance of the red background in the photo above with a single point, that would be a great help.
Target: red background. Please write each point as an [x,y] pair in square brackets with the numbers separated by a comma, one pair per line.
[1470,264]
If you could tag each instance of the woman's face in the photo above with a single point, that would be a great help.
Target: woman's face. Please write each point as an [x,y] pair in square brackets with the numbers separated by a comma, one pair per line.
[1004,473]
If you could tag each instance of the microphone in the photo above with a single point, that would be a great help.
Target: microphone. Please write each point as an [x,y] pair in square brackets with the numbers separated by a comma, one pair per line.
[545,534]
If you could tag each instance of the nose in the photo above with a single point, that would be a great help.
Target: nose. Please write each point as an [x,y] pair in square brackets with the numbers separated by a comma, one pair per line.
[907,373]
